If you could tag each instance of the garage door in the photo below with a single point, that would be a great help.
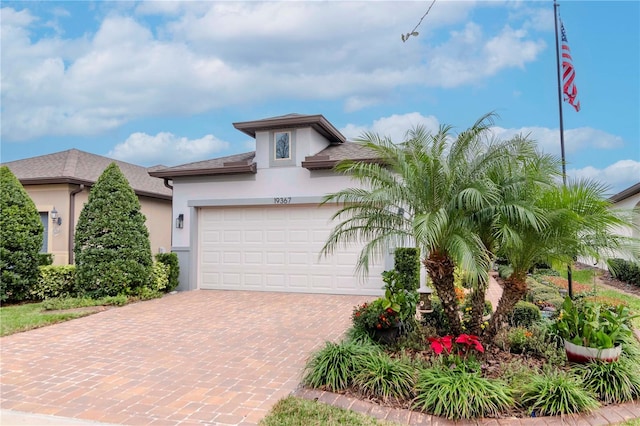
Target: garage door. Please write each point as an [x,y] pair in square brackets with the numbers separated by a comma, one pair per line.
[275,248]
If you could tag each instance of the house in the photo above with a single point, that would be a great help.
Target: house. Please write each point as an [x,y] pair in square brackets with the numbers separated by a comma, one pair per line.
[629,200]
[253,221]
[59,185]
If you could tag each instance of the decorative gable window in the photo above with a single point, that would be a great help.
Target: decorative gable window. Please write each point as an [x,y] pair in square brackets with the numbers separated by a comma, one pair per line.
[282,148]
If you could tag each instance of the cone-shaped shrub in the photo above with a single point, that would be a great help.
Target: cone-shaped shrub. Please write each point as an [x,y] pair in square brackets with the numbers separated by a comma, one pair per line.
[112,249]
[21,234]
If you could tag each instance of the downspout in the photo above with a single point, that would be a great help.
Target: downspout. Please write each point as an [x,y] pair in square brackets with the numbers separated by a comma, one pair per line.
[167,184]
[72,219]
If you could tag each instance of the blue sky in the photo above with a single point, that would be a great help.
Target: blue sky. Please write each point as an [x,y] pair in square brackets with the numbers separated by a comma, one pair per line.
[161,82]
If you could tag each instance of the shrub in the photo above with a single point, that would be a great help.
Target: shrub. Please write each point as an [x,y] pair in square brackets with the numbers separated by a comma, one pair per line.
[374,315]
[384,377]
[113,253]
[45,259]
[407,265]
[625,270]
[171,260]
[518,340]
[55,281]
[335,366]
[460,394]
[437,318]
[21,235]
[557,392]
[612,382]
[524,314]
[159,277]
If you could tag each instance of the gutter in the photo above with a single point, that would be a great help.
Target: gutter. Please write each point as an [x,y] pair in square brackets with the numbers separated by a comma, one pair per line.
[72,220]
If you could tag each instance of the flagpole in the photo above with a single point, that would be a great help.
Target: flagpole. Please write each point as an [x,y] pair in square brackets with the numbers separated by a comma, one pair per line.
[564,163]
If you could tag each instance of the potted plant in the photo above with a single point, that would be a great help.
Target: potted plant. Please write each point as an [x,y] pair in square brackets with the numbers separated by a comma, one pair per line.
[592,331]
[380,320]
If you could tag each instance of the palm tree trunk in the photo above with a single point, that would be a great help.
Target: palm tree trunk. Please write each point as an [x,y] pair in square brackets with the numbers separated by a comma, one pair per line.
[440,269]
[477,308]
[514,289]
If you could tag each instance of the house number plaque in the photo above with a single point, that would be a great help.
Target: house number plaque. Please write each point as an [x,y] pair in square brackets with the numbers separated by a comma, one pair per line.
[282,200]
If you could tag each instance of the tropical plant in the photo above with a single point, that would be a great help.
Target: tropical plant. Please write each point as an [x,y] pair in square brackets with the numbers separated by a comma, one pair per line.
[460,353]
[376,315]
[112,249]
[460,394]
[21,235]
[443,189]
[384,377]
[398,298]
[592,325]
[566,221]
[557,392]
[335,365]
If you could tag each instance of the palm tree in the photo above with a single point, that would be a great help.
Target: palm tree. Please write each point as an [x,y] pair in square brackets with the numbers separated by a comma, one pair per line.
[570,221]
[439,183]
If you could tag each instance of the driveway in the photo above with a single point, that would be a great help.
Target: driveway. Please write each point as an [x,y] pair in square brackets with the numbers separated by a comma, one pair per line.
[192,358]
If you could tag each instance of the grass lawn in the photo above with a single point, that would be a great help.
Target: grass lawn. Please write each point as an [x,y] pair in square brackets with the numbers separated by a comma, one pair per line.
[16,318]
[292,411]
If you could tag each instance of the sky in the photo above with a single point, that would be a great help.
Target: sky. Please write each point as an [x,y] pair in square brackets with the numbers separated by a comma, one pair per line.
[161,82]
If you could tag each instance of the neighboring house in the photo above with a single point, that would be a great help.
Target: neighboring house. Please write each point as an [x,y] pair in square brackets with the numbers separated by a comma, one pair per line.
[252,221]
[59,185]
[629,200]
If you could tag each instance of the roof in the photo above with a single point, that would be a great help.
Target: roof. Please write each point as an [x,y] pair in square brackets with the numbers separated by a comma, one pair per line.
[626,193]
[78,167]
[333,154]
[244,163]
[317,122]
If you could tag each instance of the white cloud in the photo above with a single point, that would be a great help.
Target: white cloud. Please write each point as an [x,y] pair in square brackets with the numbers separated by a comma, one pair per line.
[166,148]
[619,175]
[394,126]
[208,55]
[575,140]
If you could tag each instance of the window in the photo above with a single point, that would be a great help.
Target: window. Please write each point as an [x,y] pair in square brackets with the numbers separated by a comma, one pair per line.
[282,141]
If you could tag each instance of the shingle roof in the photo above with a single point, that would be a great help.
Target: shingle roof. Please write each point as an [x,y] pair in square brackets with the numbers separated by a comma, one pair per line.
[238,163]
[75,166]
[333,154]
[626,193]
[317,121]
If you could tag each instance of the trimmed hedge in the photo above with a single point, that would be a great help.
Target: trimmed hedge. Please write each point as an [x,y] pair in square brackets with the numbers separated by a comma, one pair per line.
[524,314]
[625,270]
[21,235]
[55,281]
[407,265]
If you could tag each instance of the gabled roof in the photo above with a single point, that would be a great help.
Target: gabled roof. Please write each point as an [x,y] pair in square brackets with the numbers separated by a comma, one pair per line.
[78,167]
[317,122]
[626,193]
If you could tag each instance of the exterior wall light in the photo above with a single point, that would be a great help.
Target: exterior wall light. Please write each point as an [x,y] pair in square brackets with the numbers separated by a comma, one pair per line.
[55,218]
[180,221]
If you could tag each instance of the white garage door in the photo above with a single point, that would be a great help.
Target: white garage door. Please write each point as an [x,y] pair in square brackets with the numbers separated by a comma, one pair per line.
[275,248]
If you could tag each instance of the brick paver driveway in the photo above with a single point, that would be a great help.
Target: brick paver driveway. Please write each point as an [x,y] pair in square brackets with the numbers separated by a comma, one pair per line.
[200,357]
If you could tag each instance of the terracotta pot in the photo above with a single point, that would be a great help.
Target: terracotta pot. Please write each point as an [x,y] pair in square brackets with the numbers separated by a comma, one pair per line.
[583,354]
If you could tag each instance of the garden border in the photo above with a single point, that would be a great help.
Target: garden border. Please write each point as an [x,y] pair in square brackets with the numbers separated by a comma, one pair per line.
[610,414]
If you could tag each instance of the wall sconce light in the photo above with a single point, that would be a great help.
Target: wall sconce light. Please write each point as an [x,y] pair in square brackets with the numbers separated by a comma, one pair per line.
[55,219]
[180,221]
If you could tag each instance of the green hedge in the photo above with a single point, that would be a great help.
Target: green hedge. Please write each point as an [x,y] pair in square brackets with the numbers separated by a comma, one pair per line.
[54,281]
[171,260]
[524,314]
[625,270]
[407,265]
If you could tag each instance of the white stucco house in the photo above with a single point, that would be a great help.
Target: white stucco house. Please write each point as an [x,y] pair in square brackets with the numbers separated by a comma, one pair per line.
[252,221]
[629,200]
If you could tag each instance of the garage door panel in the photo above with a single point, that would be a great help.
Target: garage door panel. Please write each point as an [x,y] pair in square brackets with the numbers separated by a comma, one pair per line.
[276,249]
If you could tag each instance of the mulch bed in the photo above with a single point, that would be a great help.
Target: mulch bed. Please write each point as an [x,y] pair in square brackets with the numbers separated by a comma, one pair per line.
[605,278]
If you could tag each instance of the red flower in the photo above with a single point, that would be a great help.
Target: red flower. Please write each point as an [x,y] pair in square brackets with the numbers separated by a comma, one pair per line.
[440,343]
[379,326]
[471,341]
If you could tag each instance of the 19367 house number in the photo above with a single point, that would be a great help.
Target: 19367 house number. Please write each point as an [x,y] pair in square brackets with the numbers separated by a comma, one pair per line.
[282,200]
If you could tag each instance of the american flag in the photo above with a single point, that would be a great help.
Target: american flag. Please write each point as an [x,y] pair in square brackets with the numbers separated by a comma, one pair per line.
[568,73]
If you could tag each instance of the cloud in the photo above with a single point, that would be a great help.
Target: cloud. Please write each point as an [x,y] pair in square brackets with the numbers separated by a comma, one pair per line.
[619,175]
[166,148]
[575,140]
[394,126]
[200,56]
